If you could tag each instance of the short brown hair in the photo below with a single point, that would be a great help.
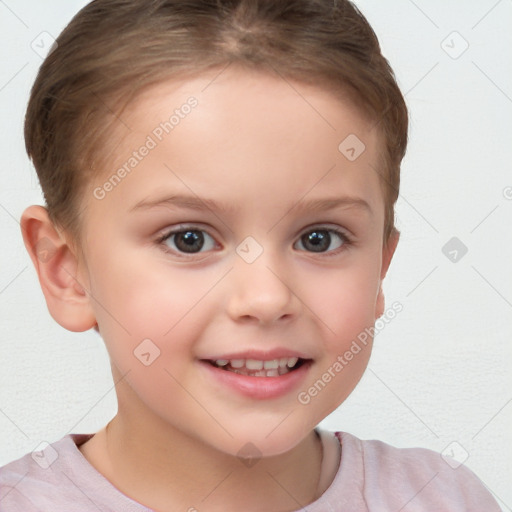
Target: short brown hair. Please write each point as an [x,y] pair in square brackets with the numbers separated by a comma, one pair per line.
[112,49]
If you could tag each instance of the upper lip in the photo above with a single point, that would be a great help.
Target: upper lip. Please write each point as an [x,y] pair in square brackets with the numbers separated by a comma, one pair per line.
[259,355]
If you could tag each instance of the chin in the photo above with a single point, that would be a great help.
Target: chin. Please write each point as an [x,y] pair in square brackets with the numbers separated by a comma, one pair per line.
[261,441]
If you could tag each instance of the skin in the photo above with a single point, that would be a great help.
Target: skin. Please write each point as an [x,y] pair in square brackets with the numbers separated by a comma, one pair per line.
[258,145]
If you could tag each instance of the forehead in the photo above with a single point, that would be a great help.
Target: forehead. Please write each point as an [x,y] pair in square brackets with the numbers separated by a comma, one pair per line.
[240,135]
[249,99]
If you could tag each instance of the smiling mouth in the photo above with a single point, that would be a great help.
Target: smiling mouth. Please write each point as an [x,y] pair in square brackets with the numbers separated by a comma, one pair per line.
[257,368]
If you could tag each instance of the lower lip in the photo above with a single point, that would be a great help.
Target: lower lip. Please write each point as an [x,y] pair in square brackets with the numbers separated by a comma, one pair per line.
[260,388]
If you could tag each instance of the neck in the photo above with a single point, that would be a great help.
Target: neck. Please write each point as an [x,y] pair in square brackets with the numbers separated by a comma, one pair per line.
[188,473]
[167,469]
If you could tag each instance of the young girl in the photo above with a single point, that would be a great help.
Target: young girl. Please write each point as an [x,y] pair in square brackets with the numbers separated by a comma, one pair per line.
[220,180]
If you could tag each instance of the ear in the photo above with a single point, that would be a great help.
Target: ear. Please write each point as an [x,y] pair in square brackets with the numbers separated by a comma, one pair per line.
[387,253]
[58,271]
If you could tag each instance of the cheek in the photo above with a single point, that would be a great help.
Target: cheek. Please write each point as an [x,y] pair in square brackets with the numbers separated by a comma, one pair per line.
[138,299]
[148,319]
[345,302]
[346,309]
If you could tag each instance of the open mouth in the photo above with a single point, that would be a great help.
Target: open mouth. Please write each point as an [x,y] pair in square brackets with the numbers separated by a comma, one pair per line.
[257,368]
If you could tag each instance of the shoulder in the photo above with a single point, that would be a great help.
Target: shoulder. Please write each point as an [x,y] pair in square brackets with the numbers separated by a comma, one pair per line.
[42,479]
[416,479]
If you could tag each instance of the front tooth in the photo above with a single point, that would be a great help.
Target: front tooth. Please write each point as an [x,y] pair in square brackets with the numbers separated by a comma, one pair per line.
[282,362]
[221,362]
[237,363]
[271,365]
[292,361]
[253,364]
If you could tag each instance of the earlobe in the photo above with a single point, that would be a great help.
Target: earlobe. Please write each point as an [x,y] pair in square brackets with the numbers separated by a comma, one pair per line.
[58,271]
[387,254]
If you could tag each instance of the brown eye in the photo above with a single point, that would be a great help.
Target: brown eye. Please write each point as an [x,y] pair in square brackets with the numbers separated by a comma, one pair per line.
[187,241]
[319,240]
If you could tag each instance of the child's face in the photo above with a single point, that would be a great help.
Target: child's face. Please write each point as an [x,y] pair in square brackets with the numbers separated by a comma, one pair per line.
[252,286]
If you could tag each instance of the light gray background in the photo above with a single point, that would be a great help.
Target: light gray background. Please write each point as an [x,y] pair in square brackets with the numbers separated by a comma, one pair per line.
[440,372]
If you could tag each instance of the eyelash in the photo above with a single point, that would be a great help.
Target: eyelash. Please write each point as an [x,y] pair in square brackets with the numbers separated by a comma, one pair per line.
[347,241]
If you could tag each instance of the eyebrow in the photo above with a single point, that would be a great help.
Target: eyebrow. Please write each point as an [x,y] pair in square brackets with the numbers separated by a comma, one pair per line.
[196,203]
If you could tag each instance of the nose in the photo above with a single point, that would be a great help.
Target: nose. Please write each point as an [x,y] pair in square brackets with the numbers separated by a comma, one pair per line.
[262,292]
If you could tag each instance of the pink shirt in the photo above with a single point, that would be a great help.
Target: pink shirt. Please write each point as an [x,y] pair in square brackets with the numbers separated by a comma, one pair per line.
[371,476]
